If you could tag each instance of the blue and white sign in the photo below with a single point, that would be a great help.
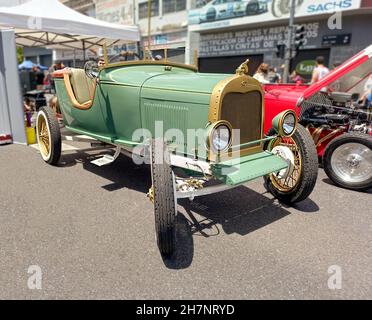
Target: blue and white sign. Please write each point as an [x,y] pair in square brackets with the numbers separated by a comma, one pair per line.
[216,14]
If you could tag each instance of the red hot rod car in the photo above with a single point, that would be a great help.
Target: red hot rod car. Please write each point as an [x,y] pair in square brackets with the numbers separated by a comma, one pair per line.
[337,110]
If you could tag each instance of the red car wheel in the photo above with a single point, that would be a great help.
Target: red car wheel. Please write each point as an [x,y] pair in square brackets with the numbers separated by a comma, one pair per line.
[348,161]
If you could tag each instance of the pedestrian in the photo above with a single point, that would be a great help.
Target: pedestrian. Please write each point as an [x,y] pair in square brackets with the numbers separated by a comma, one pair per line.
[320,70]
[55,67]
[28,108]
[274,76]
[261,74]
[366,98]
[296,78]
[46,82]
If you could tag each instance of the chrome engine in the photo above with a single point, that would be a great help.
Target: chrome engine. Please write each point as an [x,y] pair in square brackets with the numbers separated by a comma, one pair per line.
[337,110]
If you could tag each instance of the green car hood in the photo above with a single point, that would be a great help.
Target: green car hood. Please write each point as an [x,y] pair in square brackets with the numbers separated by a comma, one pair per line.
[156,82]
[189,82]
[182,87]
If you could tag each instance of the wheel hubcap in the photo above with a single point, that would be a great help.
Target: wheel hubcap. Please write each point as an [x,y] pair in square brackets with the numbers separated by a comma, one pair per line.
[287,179]
[352,162]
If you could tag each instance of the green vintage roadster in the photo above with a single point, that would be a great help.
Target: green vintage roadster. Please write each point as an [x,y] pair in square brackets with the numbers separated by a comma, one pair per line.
[200,133]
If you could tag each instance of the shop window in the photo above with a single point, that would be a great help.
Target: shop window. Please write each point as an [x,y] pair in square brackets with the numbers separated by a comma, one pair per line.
[173,6]
[143,9]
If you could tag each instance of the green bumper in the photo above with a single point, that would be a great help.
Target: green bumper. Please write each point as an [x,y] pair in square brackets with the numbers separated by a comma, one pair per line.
[237,171]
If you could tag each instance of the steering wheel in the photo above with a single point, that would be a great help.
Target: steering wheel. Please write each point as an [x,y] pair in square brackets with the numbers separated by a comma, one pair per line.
[91,69]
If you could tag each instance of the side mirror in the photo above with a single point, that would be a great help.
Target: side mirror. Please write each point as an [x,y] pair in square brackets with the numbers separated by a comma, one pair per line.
[91,69]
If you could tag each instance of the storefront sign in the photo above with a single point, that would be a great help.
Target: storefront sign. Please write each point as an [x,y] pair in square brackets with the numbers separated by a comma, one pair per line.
[305,67]
[250,41]
[167,40]
[219,13]
[336,39]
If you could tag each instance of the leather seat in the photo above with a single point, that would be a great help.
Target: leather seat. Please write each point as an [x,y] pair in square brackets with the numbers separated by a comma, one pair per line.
[80,88]
[83,86]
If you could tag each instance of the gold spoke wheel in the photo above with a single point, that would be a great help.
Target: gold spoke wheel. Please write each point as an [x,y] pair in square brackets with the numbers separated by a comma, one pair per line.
[288,183]
[295,183]
[48,135]
[44,136]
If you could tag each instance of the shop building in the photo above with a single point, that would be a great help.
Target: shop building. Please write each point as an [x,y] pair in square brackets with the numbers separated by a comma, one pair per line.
[169,20]
[168,25]
[224,40]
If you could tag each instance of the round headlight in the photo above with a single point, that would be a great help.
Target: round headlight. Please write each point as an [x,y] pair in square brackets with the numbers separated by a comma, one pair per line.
[220,137]
[285,123]
[289,124]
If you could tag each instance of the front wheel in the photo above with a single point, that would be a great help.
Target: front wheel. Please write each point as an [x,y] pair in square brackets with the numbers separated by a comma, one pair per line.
[347,161]
[295,183]
[162,194]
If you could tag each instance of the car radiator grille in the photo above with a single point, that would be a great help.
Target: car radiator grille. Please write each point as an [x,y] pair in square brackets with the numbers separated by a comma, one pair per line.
[244,112]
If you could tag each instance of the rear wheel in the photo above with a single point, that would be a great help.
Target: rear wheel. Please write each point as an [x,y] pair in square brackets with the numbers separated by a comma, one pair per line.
[295,183]
[162,194]
[347,161]
[48,135]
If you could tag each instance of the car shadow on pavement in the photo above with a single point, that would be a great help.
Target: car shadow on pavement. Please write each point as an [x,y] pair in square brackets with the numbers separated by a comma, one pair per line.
[123,173]
[184,253]
[306,206]
[240,211]
[74,157]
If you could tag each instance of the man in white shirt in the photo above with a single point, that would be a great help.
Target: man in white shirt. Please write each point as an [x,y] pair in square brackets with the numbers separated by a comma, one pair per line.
[320,70]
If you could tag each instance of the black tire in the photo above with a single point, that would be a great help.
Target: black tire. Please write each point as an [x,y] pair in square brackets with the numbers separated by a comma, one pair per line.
[309,169]
[211,15]
[252,8]
[336,177]
[164,198]
[53,154]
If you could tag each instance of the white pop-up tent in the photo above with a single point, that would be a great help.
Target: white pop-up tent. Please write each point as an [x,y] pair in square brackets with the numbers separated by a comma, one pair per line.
[40,23]
[44,23]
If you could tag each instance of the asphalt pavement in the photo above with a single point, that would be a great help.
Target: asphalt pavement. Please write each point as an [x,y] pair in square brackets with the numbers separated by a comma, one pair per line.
[91,232]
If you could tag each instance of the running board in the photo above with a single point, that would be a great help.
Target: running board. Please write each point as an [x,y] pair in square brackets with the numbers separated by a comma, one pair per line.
[107,159]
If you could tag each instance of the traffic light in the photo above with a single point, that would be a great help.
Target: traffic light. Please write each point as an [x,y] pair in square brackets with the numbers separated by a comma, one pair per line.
[299,39]
[280,51]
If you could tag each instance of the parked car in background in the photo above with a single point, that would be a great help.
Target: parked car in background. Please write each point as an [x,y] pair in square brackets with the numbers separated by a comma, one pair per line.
[227,9]
[338,118]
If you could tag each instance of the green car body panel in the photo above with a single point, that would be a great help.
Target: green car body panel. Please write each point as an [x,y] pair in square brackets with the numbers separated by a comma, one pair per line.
[131,98]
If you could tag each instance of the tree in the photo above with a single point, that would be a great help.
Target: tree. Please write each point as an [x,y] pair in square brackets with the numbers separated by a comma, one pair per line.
[20,54]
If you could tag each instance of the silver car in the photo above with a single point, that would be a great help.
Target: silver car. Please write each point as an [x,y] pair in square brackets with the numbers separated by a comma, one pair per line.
[225,9]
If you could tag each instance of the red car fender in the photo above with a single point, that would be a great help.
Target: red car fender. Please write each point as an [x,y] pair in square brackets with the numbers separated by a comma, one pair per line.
[280,97]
